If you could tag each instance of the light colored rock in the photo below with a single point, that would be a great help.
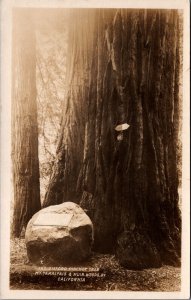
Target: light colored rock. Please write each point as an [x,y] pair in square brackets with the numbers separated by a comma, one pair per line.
[59,234]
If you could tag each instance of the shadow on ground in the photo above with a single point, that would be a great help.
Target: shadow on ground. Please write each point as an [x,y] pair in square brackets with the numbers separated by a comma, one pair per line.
[101,272]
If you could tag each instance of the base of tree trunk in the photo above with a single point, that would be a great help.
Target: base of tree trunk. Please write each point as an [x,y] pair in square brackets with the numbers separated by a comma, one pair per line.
[170,254]
[136,251]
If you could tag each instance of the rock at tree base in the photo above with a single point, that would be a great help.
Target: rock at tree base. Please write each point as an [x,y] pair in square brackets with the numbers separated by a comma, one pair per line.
[59,234]
[135,251]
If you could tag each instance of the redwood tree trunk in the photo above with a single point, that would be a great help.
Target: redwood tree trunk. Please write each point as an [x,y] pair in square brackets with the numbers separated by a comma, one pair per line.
[69,156]
[24,123]
[130,186]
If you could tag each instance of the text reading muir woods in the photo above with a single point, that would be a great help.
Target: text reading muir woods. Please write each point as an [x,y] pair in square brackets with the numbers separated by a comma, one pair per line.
[71,274]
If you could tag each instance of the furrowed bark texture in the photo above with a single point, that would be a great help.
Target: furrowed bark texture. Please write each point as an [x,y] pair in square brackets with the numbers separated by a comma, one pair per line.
[24,123]
[129,187]
[64,180]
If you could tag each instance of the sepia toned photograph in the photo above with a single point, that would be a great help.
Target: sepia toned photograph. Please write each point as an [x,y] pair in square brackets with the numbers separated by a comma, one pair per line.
[96,149]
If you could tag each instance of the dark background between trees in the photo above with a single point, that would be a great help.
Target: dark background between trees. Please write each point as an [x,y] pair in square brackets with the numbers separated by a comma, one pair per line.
[121,66]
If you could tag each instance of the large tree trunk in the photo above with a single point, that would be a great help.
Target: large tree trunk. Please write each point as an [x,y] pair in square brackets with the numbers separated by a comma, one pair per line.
[71,142]
[128,186]
[24,123]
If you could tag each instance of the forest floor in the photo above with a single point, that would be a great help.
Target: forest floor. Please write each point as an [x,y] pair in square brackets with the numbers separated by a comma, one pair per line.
[111,276]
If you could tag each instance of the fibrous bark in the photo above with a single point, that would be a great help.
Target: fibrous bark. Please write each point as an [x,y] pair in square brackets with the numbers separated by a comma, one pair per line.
[69,155]
[24,123]
[130,186]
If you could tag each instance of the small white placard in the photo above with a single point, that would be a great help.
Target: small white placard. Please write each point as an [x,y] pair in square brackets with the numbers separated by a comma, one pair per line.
[53,219]
[121,127]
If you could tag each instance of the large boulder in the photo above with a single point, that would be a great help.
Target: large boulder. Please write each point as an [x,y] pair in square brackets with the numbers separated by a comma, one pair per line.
[59,234]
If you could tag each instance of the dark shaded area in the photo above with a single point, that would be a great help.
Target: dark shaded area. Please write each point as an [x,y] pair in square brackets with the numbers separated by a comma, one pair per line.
[67,250]
[55,253]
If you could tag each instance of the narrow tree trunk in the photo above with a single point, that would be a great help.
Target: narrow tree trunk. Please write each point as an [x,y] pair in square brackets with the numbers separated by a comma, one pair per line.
[129,186]
[24,123]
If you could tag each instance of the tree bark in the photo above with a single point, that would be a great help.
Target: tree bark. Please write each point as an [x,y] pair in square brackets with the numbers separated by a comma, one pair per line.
[129,187]
[69,155]
[24,123]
